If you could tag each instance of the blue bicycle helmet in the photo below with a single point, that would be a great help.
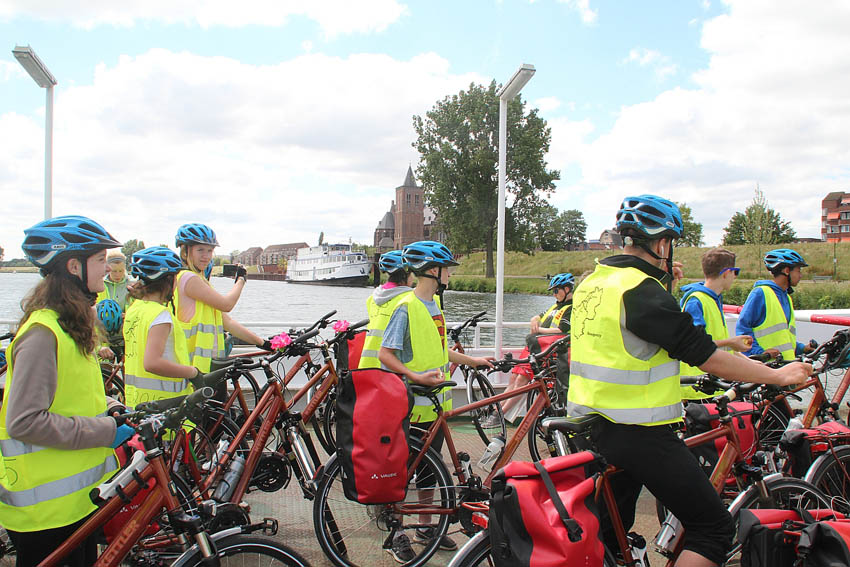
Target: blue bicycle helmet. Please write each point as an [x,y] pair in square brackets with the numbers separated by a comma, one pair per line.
[562,280]
[781,257]
[195,233]
[64,237]
[650,216]
[154,262]
[208,270]
[427,254]
[392,261]
[109,313]
[2,358]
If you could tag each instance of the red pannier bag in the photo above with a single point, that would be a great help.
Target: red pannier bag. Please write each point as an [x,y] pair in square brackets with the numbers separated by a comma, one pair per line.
[769,537]
[114,526]
[700,418]
[825,544]
[544,514]
[372,431]
[803,445]
[355,349]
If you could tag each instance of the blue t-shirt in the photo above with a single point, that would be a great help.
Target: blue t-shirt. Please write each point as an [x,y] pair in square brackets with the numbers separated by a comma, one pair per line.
[397,333]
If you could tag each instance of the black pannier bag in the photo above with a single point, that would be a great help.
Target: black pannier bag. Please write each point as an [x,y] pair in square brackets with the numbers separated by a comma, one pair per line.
[372,431]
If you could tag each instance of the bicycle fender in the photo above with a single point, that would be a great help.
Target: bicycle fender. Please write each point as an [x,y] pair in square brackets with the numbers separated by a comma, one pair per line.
[735,506]
[463,551]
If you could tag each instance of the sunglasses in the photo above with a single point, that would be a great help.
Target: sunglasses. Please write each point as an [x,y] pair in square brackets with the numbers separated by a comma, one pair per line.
[736,271]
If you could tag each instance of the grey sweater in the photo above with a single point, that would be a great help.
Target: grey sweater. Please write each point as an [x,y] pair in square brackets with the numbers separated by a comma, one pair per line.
[33,390]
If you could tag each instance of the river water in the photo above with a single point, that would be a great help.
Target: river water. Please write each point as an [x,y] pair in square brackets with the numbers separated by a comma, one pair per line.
[269,301]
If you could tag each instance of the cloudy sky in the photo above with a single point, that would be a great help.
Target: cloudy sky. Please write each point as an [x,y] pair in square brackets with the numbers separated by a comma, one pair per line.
[273,120]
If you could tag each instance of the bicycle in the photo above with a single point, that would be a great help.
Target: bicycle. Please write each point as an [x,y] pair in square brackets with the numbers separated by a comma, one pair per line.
[350,533]
[488,420]
[773,491]
[194,545]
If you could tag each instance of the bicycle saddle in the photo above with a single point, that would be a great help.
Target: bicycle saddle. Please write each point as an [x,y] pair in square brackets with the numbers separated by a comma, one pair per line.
[572,425]
[420,390]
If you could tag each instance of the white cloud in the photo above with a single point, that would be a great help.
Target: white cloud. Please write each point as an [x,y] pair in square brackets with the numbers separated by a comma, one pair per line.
[588,15]
[261,153]
[662,65]
[307,46]
[335,17]
[547,103]
[769,109]
[10,69]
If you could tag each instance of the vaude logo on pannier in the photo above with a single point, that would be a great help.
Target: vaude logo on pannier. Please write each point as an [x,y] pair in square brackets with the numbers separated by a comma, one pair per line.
[384,475]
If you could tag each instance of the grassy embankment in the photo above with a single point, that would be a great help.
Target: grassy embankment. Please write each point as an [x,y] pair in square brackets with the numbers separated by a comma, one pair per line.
[527,273]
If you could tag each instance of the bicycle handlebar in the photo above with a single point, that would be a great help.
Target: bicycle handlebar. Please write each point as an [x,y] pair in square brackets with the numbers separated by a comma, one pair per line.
[321,323]
[471,322]
[509,361]
[349,332]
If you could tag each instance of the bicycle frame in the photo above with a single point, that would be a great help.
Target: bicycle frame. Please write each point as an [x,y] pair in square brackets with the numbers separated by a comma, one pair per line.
[441,423]
[160,496]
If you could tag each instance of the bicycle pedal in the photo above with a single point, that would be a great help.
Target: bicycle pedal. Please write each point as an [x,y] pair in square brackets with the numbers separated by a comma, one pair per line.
[269,526]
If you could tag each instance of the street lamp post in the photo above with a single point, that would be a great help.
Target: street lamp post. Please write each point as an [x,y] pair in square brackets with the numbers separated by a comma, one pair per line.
[43,78]
[508,91]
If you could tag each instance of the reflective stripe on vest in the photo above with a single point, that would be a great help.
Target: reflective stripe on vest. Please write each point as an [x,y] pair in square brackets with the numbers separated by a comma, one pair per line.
[776,331]
[204,332]
[605,376]
[44,487]
[429,353]
[379,318]
[556,316]
[141,385]
[60,487]
[715,326]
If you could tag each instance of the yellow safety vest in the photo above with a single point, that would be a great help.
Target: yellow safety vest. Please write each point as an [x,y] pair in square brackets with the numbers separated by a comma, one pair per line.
[43,487]
[141,385]
[430,352]
[204,331]
[776,331]
[605,377]
[557,315]
[715,326]
[379,318]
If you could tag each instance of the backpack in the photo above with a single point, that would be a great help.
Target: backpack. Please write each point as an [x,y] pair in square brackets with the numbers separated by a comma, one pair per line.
[372,431]
[700,418]
[544,514]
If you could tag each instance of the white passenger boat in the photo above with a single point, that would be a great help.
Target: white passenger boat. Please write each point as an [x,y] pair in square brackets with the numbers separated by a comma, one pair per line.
[329,264]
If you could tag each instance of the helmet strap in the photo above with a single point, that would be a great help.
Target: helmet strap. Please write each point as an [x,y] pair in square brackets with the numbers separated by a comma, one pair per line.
[644,244]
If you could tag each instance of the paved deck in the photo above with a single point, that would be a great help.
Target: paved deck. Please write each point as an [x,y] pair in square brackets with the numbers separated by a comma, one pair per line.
[295,514]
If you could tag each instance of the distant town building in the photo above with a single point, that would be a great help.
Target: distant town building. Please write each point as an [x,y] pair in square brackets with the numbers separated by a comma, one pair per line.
[611,239]
[273,254]
[250,257]
[408,219]
[835,217]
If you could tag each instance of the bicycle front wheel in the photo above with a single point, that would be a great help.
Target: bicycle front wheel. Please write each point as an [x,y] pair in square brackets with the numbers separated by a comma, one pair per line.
[771,426]
[830,473]
[249,550]
[353,534]
[488,420]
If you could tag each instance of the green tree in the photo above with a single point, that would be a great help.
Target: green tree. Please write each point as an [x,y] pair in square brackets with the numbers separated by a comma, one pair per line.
[457,141]
[132,246]
[692,230]
[321,237]
[574,228]
[1,253]
[758,224]
[547,229]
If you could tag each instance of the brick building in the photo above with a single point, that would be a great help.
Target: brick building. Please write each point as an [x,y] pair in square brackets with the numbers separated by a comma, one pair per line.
[272,254]
[408,220]
[835,217]
[250,257]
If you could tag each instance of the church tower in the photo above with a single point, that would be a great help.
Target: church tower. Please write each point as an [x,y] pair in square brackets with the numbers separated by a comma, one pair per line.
[409,214]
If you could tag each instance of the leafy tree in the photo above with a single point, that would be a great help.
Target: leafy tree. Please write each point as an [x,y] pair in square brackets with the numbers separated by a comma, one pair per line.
[1,253]
[692,230]
[132,246]
[548,229]
[457,141]
[758,224]
[574,228]
[321,237]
